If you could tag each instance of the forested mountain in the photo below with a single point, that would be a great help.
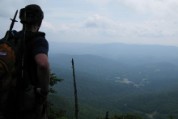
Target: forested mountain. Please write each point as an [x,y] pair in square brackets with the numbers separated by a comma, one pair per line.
[119,78]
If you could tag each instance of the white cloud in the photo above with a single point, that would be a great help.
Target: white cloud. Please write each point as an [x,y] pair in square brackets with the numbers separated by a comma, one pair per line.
[159,25]
[99,2]
[8,7]
[98,28]
[155,7]
[48,26]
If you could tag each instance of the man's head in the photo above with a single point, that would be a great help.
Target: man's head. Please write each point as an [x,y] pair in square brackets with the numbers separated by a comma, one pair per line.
[31,15]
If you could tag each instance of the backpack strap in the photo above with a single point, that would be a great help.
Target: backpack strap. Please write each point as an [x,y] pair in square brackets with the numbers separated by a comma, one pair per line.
[4,66]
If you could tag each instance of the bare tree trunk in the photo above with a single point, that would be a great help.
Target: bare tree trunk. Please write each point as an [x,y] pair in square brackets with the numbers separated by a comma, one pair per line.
[75,91]
[107,115]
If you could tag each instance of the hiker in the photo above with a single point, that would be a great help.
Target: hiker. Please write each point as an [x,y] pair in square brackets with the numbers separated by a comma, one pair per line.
[32,66]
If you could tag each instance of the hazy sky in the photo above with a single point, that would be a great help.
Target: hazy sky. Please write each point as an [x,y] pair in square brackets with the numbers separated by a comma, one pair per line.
[102,21]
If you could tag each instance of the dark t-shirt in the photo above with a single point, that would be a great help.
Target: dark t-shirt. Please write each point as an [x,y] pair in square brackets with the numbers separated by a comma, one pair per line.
[35,43]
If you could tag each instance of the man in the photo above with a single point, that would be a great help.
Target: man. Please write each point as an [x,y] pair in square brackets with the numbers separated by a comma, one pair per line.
[32,66]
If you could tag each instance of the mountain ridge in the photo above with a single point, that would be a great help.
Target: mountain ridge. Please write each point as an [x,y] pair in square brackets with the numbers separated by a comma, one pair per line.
[97,88]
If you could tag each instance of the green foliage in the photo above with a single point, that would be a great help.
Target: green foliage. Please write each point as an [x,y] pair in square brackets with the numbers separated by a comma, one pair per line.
[53,81]
[128,116]
[125,116]
[171,117]
[98,90]
[62,118]
[53,112]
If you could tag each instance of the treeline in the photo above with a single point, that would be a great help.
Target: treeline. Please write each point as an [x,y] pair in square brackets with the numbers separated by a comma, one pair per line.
[92,104]
[122,116]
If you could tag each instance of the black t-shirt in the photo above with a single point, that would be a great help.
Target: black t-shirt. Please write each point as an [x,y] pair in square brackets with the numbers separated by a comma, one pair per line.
[35,43]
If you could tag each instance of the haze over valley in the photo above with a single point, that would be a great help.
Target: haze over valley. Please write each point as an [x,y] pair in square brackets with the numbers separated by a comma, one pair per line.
[119,78]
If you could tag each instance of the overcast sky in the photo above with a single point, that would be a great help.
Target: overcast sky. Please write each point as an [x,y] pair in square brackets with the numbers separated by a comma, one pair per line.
[102,21]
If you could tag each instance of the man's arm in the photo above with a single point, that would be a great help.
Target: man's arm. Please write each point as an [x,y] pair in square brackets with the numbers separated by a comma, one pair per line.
[43,73]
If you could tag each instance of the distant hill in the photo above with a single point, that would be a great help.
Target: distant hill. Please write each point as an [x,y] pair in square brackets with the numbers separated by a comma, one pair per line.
[142,80]
[122,52]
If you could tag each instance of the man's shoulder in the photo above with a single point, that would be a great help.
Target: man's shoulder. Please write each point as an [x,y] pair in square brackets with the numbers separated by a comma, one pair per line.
[40,34]
[40,37]
[40,44]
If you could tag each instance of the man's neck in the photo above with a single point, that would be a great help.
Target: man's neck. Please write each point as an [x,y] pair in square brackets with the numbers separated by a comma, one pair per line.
[31,28]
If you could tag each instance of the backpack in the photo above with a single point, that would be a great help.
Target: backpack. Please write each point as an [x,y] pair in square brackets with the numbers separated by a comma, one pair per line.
[7,69]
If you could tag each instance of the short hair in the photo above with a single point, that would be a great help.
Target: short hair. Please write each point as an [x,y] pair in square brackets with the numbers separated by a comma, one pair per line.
[32,14]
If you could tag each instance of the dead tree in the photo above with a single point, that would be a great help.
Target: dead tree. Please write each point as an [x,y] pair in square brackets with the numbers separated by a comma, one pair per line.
[75,91]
